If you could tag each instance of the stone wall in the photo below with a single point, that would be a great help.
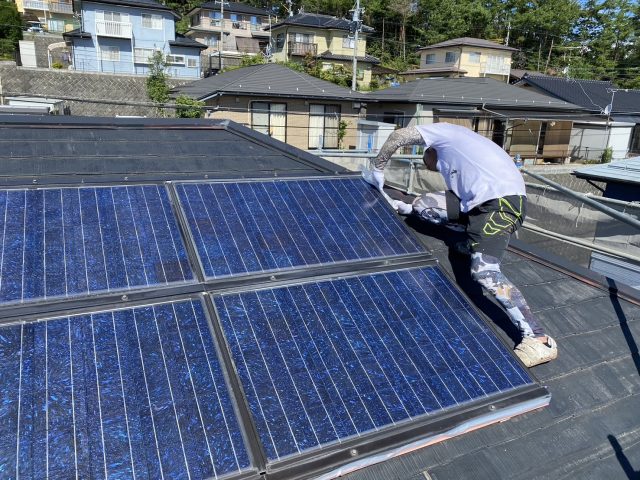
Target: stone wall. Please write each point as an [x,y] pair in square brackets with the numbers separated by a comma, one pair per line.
[85,94]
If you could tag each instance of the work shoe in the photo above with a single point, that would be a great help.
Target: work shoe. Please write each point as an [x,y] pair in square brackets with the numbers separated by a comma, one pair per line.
[532,352]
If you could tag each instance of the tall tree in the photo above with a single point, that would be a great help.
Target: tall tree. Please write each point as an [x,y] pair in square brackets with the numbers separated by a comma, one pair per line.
[10,28]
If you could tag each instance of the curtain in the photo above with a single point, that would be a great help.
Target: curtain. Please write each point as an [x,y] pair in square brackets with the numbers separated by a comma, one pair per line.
[278,121]
[316,125]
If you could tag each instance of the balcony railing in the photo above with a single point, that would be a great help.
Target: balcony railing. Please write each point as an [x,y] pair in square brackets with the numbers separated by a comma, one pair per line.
[495,68]
[300,48]
[113,29]
[58,7]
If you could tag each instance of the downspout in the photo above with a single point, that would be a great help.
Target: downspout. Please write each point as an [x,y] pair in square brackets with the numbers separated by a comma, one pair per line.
[459,60]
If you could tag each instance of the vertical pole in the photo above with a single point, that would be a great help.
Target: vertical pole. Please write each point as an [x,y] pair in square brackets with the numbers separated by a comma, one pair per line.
[356,21]
[220,42]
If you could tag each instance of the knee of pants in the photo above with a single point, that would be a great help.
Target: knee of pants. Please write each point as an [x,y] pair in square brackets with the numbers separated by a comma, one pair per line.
[485,270]
[431,206]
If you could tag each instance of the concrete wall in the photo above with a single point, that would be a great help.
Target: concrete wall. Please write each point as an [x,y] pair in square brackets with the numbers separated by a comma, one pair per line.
[89,94]
[238,109]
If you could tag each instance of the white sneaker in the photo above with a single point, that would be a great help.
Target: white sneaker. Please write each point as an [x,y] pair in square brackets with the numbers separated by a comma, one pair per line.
[532,352]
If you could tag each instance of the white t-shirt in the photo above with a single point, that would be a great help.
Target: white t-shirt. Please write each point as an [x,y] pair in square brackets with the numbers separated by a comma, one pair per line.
[473,167]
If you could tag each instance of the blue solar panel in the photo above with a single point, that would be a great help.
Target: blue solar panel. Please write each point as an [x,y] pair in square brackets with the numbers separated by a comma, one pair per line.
[67,242]
[248,227]
[326,361]
[136,393]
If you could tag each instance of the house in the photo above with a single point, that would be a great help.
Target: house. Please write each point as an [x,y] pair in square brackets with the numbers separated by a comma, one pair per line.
[54,16]
[150,377]
[242,31]
[327,40]
[464,57]
[119,36]
[536,126]
[288,105]
[615,124]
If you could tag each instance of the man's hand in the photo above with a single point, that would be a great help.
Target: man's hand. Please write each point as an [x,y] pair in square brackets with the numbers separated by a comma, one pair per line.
[374,177]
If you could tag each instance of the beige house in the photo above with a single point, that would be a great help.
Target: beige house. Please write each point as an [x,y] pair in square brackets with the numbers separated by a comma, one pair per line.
[287,105]
[325,38]
[55,16]
[242,31]
[464,57]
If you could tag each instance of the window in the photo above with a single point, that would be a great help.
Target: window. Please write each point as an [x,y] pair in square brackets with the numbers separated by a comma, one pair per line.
[195,20]
[304,38]
[323,126]
[474,57]
[451,57]
[279,41]
[348,42]
[141,55]
[429,58]
[634,145]
[112,17]
[192,62]
[396,118]
[177,60]
[270,119]
[359,74]
[215,19]
[151,21]
[211,41]
[110,54]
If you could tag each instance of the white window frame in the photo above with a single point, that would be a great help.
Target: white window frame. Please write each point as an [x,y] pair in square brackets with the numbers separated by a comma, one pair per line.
[139,54]
[348,42]
[151,21]
[451,57]
[113,54]
[173,60]
[192,63]
[108,16]
[429,58]
[474,57]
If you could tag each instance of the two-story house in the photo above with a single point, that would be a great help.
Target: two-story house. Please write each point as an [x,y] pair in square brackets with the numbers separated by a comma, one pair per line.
[119,36]
[55,15]
[242,31]
[326,38]
[464,57]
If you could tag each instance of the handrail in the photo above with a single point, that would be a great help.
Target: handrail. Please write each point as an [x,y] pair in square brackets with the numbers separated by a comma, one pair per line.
[623,217]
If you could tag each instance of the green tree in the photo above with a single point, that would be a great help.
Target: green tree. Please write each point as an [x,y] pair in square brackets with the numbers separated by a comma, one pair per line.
[10,28]
[157,86]
[189,107]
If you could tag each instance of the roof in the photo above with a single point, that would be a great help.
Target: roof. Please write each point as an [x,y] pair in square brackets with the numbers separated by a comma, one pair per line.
[152,4]
[589,431]
[76,33]
[316,20]
[233,7]
[435,69]
[594,95]
[623,171]
[269,79]
[182,41]
[470,42]
[327,55]
[469,91]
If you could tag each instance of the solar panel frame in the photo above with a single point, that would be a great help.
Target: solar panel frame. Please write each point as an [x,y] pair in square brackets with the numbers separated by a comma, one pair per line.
[339,458]
[279,272]
[251,472]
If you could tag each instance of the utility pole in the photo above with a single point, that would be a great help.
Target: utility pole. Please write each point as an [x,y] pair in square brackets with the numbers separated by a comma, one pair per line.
[356,25]
[221,41]
[508,33]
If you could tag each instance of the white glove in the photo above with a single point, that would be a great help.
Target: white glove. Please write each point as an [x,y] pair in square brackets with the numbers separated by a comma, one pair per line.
[374,177]
[402,208]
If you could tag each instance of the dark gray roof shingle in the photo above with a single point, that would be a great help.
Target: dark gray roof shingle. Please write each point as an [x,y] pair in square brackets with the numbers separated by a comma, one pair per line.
[182,41]
[469,91]
[470,42]
[316,20]
[266,80]
[233,7]
[332,56]
[137,3]
[593,95]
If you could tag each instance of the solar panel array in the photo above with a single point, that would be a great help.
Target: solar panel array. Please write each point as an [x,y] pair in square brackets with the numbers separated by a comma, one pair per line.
[326,361]
[241,228]
[67,242]
[150,391]
[134,393]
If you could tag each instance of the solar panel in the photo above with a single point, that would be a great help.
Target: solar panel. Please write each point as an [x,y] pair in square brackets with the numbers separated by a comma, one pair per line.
[323,362]
[135,393]
[258,226]
[66,242]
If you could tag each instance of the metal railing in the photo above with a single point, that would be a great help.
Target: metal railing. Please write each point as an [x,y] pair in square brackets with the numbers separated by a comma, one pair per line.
[301,48]
[61,7]
[227,24]
[107,28]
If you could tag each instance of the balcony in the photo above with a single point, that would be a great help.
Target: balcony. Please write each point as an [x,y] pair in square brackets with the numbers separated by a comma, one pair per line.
[60,7]
[302,49]
[36,5]
[57,7]
[230,25]
[113,29]
[495,68]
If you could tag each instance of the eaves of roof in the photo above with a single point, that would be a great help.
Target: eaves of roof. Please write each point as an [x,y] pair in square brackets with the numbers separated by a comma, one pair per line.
[152,5]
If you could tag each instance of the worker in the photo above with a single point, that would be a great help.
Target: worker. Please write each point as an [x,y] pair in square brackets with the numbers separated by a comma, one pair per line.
[486,197]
